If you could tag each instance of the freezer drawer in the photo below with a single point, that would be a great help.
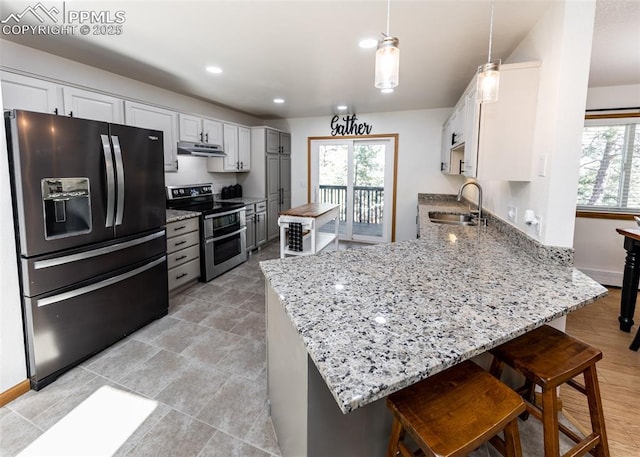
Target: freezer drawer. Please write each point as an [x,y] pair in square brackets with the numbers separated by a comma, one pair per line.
[69,326]
[47,273]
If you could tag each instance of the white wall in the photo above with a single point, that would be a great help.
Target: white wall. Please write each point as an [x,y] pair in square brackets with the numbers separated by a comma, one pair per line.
[561,40]
[599,250]
[191,170]
[13,365]
[418,157]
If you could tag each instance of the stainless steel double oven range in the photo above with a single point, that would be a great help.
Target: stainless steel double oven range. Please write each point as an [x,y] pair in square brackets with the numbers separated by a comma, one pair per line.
[223,242]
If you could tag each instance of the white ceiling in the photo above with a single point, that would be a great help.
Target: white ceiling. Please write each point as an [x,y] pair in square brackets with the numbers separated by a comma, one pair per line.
[306,51]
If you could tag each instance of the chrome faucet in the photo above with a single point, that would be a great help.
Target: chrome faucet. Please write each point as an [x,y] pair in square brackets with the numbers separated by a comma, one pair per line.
[475,183]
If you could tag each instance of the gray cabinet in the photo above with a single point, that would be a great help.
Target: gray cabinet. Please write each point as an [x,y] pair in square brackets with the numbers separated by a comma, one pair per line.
[256,215]
[270,175]
[183,252]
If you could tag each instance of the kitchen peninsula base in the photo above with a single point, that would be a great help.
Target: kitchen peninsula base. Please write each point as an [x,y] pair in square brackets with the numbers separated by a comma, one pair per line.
[306,417]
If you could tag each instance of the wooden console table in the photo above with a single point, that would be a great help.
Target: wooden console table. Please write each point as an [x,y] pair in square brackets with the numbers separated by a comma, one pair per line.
[630,282]
[312,216]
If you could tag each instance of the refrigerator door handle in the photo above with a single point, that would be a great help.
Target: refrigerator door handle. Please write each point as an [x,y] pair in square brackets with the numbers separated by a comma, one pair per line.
[111,187]
[99,285]
[40,264]
[120,177]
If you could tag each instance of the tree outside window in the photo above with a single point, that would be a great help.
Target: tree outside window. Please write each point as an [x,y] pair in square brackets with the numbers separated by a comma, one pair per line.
[610,164]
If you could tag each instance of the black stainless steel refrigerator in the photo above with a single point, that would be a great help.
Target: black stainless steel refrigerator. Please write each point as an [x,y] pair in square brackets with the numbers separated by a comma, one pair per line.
[89,203]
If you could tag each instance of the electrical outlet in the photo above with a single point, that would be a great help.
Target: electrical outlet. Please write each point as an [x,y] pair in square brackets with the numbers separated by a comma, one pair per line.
[512,213]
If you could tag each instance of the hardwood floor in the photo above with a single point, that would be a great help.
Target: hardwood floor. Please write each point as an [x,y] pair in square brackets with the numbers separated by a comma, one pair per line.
[618,374]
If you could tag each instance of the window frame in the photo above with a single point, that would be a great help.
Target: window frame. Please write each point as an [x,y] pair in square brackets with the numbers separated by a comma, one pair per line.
[609,118]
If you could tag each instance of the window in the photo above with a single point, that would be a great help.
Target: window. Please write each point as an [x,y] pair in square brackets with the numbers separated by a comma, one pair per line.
[610,164]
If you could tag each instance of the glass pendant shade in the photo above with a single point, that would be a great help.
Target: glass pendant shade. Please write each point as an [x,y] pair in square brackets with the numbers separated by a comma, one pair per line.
[488,82]
[387,63]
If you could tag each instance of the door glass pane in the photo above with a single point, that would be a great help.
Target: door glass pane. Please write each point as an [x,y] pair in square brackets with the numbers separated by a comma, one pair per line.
[333,178]
[368,189]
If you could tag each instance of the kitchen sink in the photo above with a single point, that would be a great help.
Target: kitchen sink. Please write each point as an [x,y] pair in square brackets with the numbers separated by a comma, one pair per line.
[441,217]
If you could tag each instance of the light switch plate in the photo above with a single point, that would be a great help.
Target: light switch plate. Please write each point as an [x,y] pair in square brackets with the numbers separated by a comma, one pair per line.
[542,165]
[512,213]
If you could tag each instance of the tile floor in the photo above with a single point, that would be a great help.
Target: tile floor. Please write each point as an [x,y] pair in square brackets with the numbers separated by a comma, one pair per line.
[204,364]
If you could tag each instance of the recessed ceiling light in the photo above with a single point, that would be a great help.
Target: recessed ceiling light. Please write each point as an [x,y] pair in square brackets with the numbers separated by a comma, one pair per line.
[214,70]
[342,107]
[278,100]
[386,91]
[368,43]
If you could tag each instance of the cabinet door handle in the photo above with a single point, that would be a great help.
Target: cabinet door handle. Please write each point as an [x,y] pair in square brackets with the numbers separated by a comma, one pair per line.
[179,228]
[206,138]
[242,165]
[70,113]
[55,111]
[181,276]
[179,243]
[181,257]
[201,137]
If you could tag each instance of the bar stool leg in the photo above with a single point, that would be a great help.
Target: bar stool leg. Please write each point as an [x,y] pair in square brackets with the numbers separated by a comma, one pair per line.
[595,410]
[550,422]
[397,434]
[512,440]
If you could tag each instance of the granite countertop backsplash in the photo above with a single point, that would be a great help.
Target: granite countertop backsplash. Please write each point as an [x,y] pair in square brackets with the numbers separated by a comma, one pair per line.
[246,200]
[379,318]
[174,215]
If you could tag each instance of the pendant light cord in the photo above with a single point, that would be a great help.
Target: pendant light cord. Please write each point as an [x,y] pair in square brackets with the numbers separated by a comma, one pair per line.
[490,31]
[388,13]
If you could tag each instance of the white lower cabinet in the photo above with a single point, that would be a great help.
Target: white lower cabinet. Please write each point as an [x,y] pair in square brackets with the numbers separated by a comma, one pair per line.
[183,252]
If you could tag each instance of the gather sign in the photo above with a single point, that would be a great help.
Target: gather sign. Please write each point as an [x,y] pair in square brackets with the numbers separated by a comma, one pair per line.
[349,125]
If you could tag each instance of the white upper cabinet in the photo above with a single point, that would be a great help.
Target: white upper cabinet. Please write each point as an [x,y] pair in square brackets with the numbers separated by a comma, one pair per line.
[212,131]
[237,149]
[507,127]
[273,141]
[496,139]
[92,105]
[152,117]
[22,92]
[244,148]
[199,130]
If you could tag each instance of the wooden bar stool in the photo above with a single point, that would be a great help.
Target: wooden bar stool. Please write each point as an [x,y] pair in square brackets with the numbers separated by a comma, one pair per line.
[454,412]
[548,358]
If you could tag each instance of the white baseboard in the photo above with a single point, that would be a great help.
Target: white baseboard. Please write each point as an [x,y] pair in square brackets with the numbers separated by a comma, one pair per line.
[604,277]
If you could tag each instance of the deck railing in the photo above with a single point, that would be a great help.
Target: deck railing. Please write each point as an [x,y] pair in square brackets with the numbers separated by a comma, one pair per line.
[368,202]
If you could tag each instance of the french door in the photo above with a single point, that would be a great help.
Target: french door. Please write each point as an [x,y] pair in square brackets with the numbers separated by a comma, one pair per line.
[357,174]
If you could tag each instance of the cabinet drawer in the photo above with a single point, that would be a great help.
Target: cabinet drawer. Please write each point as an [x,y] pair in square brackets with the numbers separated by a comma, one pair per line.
[182,241]
[183,226]
[184,273]
[260,207]
[183,256]
[249,209]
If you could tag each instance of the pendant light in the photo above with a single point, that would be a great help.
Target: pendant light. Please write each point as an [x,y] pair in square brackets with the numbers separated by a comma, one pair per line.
[387,59]
[489,73]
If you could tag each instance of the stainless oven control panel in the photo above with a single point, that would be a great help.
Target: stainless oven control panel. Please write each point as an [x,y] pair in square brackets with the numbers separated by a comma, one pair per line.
[189,191]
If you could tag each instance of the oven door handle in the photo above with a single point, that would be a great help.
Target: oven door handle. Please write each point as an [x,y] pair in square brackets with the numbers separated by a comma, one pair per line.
[211,216]
[211,240]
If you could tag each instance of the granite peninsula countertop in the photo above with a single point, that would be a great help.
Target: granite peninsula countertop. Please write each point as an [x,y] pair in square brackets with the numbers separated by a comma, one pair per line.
[379,318]
[174,215]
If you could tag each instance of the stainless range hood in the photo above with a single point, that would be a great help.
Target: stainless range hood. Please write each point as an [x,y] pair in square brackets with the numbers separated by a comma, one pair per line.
[200,149]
